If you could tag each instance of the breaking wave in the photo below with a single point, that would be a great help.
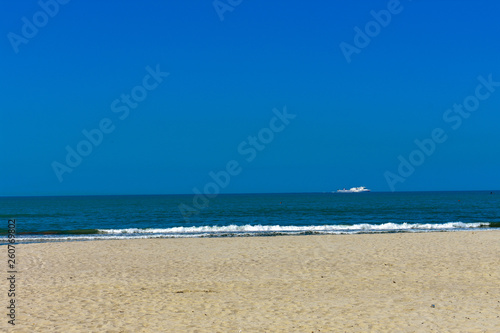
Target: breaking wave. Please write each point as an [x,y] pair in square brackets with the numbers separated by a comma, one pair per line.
[248,230]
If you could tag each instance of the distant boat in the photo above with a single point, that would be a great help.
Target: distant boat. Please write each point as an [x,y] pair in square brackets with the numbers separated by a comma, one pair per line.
[354,190]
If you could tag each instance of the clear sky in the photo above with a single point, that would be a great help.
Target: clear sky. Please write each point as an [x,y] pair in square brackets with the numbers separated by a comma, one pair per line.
[352,84]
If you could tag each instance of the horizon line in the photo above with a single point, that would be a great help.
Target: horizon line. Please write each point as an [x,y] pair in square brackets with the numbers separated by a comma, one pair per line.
[235,193]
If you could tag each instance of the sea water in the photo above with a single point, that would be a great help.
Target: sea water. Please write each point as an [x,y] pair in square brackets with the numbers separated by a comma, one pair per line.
[43,219]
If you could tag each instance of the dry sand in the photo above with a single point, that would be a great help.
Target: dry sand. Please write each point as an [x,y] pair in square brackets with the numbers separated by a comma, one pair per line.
[339,283]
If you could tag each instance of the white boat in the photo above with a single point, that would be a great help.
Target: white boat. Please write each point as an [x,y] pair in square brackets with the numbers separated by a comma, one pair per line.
[354,190]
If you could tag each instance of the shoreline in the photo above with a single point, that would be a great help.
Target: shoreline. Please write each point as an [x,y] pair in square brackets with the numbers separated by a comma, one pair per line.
[408,281]
[90,237]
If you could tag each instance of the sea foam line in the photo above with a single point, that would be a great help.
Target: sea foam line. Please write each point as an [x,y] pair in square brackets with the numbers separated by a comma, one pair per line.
[253,230]
[279,228]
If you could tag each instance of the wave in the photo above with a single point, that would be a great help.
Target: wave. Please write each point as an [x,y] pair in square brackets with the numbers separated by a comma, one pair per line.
[56,232]
[294,229]
[245,230]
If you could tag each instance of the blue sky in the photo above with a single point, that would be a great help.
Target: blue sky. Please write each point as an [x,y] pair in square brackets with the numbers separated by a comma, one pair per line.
[354,120]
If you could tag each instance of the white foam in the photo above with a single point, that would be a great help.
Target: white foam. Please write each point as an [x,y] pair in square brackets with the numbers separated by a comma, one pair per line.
[294,229]
[254,230]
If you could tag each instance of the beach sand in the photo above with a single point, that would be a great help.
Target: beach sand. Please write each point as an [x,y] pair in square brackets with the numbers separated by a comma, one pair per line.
[405,282]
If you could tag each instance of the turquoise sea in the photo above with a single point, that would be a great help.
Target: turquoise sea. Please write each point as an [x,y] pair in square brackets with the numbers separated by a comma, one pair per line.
[43,219]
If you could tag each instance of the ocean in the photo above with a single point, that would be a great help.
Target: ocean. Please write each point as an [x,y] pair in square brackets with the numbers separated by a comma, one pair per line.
[79,218]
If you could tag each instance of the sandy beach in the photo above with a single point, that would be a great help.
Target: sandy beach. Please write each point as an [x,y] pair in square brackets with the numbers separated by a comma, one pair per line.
[405,282]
